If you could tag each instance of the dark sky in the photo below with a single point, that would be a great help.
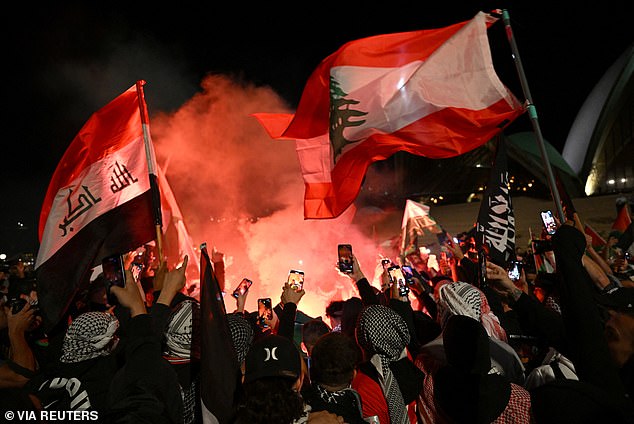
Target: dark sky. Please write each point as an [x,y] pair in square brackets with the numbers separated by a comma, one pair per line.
[62,63]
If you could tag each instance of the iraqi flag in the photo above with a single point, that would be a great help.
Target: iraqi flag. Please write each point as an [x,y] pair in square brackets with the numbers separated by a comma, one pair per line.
[98,203]
[495,229]
[431,93]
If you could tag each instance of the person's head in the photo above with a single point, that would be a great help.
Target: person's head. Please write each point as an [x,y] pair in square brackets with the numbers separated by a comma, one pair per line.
[334,361]
[311,331]
[545,284]
[181,339]
[351,309]
[90,335]
[383,335]
[334,310]
[458,298]
[381,331]
[619,327]
[466,389]
[241,336]
[272,381]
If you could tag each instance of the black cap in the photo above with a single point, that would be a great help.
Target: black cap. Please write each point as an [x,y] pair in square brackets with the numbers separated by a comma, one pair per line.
[621,299]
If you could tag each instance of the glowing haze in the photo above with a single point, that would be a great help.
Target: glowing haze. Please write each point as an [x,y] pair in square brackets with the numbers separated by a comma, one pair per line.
[243,193]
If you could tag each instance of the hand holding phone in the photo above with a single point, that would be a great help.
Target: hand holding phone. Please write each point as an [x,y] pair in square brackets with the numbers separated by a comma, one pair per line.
[514,270]
[344,252]
[549,222]
[397,277]
[114,274]
[242,288]
[296,279]
[265,311]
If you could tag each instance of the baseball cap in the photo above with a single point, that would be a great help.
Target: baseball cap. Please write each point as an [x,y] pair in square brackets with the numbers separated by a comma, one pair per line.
[272,356]
[621,299]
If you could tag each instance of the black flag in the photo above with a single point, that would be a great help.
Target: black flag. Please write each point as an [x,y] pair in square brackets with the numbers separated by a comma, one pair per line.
[219,368]
[496,223]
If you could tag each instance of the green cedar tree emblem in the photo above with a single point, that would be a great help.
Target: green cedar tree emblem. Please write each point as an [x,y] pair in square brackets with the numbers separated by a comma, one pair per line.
[340,115]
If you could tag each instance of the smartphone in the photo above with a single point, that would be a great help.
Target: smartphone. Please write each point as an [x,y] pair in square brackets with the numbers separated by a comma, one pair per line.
[397,277]
[296,279]
[408,272]
[242,288]
[515,270]
[345,258]
[386,263]
[113,270]
[482,262]
[265,311]
[549,222]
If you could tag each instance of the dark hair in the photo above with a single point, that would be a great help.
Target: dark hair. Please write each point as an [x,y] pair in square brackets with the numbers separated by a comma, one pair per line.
[334,308]
[312,330]
[334,359]
[351,310]
[270,400]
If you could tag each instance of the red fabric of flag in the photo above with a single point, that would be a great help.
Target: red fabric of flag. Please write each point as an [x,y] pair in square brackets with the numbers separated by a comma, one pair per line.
[597,240]
[431,93]
[623,219]
[98,203]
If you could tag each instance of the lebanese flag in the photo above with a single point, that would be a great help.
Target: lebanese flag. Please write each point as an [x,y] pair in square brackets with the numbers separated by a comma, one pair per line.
[98,203]
[431,93]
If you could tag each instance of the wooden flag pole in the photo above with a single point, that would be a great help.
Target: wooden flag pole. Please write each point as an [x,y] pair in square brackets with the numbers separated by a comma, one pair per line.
[152,171]
[532,113]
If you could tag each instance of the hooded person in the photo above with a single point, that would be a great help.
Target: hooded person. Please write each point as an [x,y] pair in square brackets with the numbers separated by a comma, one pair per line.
[458,298]
[388,381]
[181,349]
[468,389]
[598,341]
[81,377]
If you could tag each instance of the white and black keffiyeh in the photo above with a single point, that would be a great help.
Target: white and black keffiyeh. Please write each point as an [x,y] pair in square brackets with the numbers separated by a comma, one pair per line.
[241,335]
[178,335]
[89,336]
[460,298]
[382,333]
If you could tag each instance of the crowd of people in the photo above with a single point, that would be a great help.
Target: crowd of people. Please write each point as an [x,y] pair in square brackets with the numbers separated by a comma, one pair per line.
[457,344]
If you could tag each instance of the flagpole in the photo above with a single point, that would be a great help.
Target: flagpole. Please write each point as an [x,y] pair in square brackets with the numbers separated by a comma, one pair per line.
[152,171]
[532,113]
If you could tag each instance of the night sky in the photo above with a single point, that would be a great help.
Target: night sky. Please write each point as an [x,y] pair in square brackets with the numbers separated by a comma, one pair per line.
[62,63]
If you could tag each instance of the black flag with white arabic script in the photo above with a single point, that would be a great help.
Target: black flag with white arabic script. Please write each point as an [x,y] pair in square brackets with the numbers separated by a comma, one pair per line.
[496,222]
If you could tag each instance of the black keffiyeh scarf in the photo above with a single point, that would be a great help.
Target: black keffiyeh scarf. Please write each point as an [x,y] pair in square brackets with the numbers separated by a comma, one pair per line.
[382,333]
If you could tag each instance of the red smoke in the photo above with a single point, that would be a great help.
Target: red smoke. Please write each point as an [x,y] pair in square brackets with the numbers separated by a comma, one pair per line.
[242,192]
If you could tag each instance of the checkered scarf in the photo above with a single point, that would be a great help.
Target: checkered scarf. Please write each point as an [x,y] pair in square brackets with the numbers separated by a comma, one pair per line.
[88,336]
[178,335]
[241,335]
[382,333]
[465,299]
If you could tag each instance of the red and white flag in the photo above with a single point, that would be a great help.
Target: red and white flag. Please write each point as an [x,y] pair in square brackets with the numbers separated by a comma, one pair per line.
[177,242]
[98,203]
[431,93]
